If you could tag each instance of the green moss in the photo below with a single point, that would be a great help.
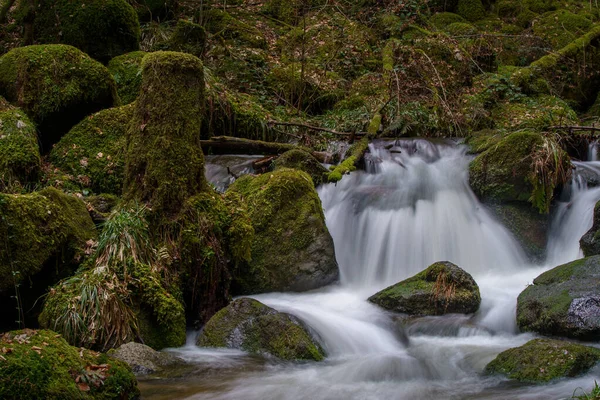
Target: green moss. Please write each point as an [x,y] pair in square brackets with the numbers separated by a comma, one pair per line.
[37,227]
[164,161]
[93,150]
[251,326]
[41,365]
[20,160]
[103,29]
[303,161]
[56,86]
[127,73]
[289,11]
[544,360]
[561,27]
[188,37]
[471,10]
[443,19]
[536,113]
[461,29]
[223,24]
[160,10]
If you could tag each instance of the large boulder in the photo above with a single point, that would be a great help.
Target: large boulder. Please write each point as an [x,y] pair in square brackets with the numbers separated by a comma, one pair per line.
[443,288]
[590,242]
[41,365]
[92,152]
[249,325]
[143,359]
[101,28]
[292,249]
[542,360]
[56,86]
[164,160]
[20,160]
[564,301]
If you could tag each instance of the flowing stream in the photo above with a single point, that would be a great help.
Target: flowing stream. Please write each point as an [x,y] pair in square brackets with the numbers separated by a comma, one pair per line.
[411,207]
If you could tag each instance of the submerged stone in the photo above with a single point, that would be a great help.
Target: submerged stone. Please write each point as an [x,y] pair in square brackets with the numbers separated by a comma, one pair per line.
[564,301]
[443,288]
[249,325]
[542,360]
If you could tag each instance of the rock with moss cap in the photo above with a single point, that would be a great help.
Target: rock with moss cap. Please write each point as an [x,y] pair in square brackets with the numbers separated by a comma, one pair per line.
[126,69]
[41,365]
[101,28]
[92,151]
[56,86]
[590,242]
[188,37]
[443,19]
[471,10]
[292,248]
[443,288]
[561,27]
[221,23]
[303,161]
[249,325]
[564,301]
[543,360]
[164,162]
[20,160]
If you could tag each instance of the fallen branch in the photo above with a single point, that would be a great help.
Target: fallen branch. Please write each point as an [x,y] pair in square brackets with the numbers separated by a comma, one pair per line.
[316,128]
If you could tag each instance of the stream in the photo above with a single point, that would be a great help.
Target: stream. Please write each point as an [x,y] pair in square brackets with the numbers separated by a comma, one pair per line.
[411,207]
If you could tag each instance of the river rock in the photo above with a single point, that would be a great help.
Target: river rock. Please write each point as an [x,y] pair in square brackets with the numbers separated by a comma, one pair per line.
[249,325]
[542,360]
[443,288]
[144,360]
[564,301]
[590,242]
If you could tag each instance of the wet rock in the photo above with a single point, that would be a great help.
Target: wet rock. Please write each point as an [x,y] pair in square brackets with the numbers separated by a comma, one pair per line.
[590,242]
[564,301]
[542,360]
[249,325]
[303,161]
[144,360]
[443,288]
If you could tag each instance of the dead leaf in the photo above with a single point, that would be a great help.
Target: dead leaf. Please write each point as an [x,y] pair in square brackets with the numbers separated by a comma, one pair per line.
[84,387]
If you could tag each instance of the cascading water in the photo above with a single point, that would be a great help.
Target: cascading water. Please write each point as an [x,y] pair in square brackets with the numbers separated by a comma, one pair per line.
[412,207]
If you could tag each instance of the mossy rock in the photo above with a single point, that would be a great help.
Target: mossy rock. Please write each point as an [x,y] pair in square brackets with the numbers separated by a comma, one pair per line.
[56,86]
[126,70]
[561,27]
[443,19]
[590,242]
[93,151]
[188,37]
[143,359]
[103,29]
[461,29]
[536,113]
[303,161]
[564,301]
[223,24]
[41,365]
[20,160]
[100,206]
[292,248]
[158,10]
[544,360]
[442,288]
[164,161]
[249,325]
[471,10]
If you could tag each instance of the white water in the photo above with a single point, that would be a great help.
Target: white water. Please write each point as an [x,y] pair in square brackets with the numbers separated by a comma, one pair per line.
[407,211]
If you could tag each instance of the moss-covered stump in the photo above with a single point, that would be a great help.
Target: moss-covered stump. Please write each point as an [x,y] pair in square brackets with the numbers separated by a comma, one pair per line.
[126,69]
[42,365]
[103,29]
[303,161]
[292,248]
[443,288]
[56,86]
[249,325]
[159,10]
[164,161]
[543,360]
[93,151]
[143,359]
[590,242]
[564,301]
[20,160]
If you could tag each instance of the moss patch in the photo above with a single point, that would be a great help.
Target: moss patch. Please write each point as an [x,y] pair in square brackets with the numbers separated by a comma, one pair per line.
[471,10]
[126,70]
[561,27]
[303,161]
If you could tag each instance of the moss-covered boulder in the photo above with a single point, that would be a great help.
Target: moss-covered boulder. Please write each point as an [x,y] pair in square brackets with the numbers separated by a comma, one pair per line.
[543,360]
[56,86]
[158,10]
[93,151]
[126,70]
[249,325]
[443,288]
[471,10]
[100,206]
[561,27]
[103,29]
[443,19]
[303,161]
[292,248]
[564,301]
[20,160]
[188,37]
[41,365]
[590,242]
[164,161]
[222,24]
[143,359]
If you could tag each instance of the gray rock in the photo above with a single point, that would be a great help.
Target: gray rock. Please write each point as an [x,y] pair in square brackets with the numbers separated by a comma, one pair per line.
[590,242]
[144,360]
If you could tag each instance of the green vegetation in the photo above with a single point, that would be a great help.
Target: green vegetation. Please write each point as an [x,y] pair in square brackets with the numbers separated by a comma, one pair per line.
[127,73]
